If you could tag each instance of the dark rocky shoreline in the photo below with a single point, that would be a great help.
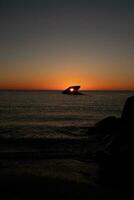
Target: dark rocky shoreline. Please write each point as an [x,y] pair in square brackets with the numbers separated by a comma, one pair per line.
[94,167]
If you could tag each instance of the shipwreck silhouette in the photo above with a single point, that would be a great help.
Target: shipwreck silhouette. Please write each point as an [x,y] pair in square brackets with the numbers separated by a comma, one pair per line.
[72,90]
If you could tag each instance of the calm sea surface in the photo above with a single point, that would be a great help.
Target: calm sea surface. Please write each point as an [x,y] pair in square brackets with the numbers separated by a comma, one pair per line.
[50,114]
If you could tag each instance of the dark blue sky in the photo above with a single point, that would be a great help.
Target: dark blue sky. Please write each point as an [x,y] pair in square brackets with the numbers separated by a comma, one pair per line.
[92,39]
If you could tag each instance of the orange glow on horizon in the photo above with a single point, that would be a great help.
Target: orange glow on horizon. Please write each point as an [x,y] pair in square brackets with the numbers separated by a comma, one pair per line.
[61,80]
[63,85]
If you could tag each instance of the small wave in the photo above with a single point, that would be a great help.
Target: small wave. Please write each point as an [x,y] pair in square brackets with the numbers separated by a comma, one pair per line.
[41,131]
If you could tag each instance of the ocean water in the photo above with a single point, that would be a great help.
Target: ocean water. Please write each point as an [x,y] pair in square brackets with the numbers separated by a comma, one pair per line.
[50,114]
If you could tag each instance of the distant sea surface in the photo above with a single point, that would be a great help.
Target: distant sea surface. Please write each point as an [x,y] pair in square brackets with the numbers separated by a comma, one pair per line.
[50,114]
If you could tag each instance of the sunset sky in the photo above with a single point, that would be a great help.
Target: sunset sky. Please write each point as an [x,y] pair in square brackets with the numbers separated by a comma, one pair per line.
[52,44]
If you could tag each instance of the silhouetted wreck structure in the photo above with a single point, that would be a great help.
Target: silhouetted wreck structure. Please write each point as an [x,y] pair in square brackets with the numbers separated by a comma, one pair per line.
[72,90]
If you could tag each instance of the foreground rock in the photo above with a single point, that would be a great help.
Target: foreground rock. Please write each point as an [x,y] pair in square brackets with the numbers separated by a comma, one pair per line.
[128,112]
[115,160]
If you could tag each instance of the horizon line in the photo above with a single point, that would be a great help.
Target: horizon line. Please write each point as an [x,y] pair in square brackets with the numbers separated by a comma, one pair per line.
[62,90]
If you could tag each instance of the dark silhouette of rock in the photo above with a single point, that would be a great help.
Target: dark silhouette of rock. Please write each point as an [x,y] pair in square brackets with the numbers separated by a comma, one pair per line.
[72,90]
[108,125]
[114,159]
[128,111]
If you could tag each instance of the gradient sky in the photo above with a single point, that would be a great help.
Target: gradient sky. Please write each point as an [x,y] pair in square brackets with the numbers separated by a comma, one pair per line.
[52,44]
